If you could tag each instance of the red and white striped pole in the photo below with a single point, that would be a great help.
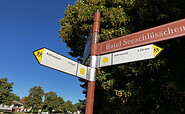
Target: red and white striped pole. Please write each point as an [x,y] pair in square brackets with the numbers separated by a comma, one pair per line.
[93,60]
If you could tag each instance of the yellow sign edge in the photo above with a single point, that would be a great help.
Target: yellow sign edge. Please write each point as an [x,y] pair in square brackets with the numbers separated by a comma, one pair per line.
[159,52]
[36,56]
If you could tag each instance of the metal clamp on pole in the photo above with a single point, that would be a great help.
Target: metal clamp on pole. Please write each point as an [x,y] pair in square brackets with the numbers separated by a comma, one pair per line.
[91,74]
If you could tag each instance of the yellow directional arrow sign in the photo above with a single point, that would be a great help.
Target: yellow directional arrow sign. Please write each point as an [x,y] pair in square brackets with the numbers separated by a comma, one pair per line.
[130,55]
[156,50]
[38,54]
[61,63]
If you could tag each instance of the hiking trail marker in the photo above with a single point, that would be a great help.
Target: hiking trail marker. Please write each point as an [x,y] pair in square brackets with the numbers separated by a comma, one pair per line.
[135,54]
[61,63]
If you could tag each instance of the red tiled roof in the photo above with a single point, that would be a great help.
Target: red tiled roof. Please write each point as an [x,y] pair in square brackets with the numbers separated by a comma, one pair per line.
[22,100]
[17,103]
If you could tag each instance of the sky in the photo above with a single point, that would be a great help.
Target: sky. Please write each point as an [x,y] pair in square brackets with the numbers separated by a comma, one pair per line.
[28,25]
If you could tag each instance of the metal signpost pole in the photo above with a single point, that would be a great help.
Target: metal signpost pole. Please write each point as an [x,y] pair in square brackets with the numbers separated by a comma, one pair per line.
[91,83]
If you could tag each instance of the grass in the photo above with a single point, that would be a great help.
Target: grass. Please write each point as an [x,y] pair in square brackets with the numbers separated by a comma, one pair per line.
[24,113]
[16,113]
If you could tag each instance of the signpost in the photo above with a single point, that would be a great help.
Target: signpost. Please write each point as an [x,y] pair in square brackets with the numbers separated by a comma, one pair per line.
[156,34]
[56,61]
[135,54]
[61,63]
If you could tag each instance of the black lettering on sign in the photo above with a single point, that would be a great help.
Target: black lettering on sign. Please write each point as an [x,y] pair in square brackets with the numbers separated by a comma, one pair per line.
[53,56]
[125,53]
[142,49]
[71,63]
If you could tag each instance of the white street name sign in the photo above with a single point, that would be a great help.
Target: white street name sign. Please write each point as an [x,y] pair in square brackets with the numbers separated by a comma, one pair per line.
[130,55]
[61,63]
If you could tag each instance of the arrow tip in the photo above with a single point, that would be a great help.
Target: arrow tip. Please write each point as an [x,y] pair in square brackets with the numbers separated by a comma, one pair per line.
[38,54]
[156,50]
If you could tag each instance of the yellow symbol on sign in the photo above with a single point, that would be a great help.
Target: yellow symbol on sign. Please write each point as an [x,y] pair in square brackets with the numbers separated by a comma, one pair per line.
[38,54]
[82,71]
[105,60]
[156,50]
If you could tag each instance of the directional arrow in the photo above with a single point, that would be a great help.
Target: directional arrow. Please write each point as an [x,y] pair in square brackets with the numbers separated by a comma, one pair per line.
[156,50]
[130,55]
[61,63]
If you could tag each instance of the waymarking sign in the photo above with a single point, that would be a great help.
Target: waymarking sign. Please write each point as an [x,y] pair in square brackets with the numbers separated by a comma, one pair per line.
[156,34]
[135,54]
[61,63]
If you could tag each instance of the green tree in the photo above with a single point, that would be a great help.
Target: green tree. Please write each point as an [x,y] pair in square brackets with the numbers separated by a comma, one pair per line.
[52,102]
[79,106]
[159,88]
[15,97]
[59,105]
[78,20]
[150,86]
[68,106]
[34,98]
[5,91]
[75,27]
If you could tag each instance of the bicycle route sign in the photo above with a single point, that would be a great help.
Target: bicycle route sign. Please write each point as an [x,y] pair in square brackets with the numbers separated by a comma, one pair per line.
[61,63]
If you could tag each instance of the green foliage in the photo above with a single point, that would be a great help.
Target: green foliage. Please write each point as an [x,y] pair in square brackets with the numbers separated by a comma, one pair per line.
[150,86]
[52,102]
[68,106]
[34,98]
[5,91]
[35,110]
[79,106]
[15,97]
[78,20]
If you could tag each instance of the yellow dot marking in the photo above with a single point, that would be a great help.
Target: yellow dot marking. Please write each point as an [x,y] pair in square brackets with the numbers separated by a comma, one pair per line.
[82,71]
[105,60]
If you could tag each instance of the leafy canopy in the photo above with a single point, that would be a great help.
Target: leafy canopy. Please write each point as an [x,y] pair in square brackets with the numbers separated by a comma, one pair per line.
[5,91]
[34,98]
[52,102]
[150,86]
